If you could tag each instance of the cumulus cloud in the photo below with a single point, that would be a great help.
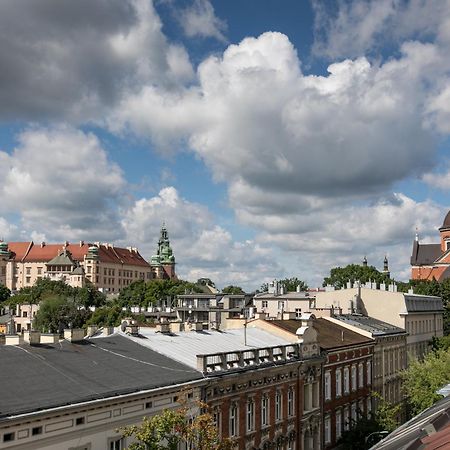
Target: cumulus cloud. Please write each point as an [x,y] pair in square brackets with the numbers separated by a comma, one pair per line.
[355,28]
[201,246]
[61,182]
[74,60]
[199,20]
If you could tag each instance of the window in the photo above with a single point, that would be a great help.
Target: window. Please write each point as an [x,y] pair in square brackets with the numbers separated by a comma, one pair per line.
[36,430]
[298,313]
[360,375]
[353,378]
[278,411]
[28,280]
[116,444]
[346,380]
[233,419]
[24,314]
[264,303]
[327,385]
[353,413]
[280,305]
[338,382]
[8,437]
[369,372]
[265,410]
[338,424]
[217,419]
[39,270]
[79,421]
[250,415]
[346,419]
[148,405]
[290,402]
[327,430]
[28,269]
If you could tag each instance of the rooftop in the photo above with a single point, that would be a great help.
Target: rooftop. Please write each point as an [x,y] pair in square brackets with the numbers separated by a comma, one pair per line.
[428,430]
[185,346]
[374,326]
[329,334]
[45,376]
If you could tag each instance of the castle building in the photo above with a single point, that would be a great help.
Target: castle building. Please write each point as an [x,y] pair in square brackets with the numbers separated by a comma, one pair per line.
[107,267]
[432,261]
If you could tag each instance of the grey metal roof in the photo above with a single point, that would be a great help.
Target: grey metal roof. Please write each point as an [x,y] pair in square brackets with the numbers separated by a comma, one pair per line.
[374,326]
[416,303]
[185,346]
[39,377]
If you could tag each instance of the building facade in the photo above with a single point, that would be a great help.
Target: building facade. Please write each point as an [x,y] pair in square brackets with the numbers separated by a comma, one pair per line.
[432,261]
[107,267]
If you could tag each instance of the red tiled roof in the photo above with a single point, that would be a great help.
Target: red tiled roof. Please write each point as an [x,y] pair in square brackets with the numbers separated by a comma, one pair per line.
[29,252]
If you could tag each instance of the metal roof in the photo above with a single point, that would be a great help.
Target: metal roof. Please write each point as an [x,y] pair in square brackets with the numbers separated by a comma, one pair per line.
[185,346]
[374,326]
[39,377]
[430,427]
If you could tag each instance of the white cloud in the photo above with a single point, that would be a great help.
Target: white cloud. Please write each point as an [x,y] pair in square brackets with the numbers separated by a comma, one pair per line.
[199,20]
[202,247]
[61,183]
[357,27]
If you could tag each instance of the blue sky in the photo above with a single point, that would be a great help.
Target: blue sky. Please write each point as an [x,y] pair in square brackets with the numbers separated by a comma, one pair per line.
[274,138]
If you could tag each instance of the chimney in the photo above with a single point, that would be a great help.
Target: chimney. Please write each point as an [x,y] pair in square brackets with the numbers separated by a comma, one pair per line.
[298,288]
[42,244]
[81,243]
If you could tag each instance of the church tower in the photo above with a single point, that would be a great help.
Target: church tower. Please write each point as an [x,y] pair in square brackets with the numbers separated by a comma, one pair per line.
[4,258]
[163,262]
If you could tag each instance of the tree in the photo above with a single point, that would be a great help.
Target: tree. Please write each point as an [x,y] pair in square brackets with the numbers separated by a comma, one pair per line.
[106,316]
[170,428]
[230,289]
[339,276]
[384,419]
[5,293]
[56,313]
[422,379]
[291,284]
[141,293]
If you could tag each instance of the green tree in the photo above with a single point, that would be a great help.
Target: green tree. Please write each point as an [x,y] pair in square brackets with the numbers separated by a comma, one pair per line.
[56,313]
[339,276]
[232,290]
[107,316]
[291,284]
[165,431]
[422,379]
[384,419]
[5,293]
[141,293]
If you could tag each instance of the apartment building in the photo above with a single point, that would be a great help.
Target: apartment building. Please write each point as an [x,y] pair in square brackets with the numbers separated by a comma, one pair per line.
[420,315]
[389,357]
[76,395]
[346,372]
[263,389]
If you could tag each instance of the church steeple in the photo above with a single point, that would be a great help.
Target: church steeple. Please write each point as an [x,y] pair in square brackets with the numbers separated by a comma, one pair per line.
[386,267]
[163,262]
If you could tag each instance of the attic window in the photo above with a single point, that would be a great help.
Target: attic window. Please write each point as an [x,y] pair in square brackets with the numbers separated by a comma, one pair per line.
[148,405]
[79,421]
[8,437]
[447,245]
[36,430]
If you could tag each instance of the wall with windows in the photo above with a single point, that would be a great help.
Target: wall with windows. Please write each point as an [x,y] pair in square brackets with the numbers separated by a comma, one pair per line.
[347,383]
[90,425]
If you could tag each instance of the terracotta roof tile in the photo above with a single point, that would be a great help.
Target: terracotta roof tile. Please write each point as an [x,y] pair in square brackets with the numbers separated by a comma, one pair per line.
[45,253]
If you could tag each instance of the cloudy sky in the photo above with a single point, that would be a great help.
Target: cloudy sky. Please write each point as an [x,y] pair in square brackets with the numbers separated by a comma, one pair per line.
[274,138]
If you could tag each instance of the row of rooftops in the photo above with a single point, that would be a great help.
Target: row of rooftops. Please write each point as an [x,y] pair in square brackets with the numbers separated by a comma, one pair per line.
[37,377]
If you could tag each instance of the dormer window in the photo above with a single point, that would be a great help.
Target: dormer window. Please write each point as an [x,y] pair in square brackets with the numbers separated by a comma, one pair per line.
[447,245]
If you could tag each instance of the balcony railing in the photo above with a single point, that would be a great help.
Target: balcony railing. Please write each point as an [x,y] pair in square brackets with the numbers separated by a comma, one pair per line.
[241,359]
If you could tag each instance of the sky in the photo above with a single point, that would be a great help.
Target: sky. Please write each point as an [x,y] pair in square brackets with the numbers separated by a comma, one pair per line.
[274,138]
